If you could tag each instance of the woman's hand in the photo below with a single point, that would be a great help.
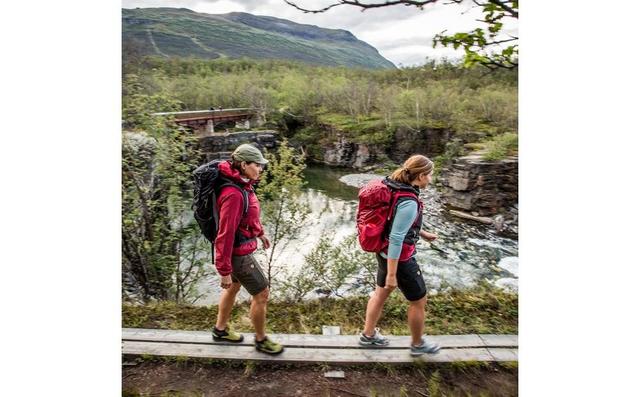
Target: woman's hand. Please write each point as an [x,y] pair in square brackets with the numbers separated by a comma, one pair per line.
[265,242]
[225,281]
[391,282]
[428,236]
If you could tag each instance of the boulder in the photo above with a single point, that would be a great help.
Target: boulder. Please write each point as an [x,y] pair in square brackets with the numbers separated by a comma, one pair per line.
[220,146]
[475,185]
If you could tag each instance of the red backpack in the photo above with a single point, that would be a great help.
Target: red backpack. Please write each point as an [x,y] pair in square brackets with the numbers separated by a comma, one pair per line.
[375,208]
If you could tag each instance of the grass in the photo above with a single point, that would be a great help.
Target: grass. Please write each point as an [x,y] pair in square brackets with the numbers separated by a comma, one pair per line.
[363,129]
[480,310]
[501,146]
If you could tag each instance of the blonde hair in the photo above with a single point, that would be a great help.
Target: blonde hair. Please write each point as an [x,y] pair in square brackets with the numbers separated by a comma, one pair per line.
[412,168]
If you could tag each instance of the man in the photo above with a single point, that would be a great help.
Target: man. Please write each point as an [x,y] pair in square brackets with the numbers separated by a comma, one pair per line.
[237,237]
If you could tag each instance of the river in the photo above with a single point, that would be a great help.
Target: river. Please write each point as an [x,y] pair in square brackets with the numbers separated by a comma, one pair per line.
[464,254]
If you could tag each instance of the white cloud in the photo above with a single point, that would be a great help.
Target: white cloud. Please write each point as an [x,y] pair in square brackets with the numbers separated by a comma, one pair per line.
[412,55]
[220,7]
[401,34]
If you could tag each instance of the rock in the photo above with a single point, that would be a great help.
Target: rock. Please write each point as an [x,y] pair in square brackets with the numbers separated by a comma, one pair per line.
[362,156]
[344,153]
[339,153]
[266,140]
[509,284]
[428,141]
[358,180]
[459,200]
[330,330]
[480,187]
[218,156]
[334,374]
[458,183]
[220,146]
[510,264]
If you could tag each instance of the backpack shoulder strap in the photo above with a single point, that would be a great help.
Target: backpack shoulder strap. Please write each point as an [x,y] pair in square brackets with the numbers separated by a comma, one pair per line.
[245,195]
[395,196]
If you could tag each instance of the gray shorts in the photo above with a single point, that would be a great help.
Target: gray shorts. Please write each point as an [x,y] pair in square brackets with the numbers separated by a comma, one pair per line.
[247,272]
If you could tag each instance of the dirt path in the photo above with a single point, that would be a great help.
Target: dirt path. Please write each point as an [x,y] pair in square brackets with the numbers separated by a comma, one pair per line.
[154,45]
[194,378]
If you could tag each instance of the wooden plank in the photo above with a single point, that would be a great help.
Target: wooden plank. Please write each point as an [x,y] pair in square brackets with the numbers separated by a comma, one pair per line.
[298,340]
[335,356]
[503,354]
[492,340]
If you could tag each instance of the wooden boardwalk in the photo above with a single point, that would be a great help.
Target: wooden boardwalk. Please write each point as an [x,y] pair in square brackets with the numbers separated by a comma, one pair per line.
[307,348]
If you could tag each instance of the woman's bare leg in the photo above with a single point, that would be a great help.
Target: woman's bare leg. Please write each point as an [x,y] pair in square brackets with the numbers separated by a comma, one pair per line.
[374,309]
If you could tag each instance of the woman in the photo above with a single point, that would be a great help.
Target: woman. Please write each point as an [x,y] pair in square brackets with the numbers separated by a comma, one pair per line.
[236,241]
[397,266]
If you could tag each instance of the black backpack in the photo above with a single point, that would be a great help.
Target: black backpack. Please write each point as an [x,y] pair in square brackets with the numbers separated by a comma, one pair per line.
[207,185]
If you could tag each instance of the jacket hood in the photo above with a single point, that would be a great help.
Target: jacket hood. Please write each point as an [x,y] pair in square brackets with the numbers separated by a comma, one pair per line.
[232,174]
[401,186]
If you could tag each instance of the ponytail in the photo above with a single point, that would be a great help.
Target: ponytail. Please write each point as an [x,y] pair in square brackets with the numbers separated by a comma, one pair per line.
[412,168]
[401,175]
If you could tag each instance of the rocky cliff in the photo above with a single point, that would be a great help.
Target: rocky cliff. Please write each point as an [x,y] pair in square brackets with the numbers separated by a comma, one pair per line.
[341,150]
[479,186]
[427,141]
[220,146]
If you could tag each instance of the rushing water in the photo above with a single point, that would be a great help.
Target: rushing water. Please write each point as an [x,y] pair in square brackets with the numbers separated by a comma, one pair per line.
[464,254]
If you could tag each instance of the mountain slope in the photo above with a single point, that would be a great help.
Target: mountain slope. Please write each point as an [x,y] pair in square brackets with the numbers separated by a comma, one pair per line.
[179,32]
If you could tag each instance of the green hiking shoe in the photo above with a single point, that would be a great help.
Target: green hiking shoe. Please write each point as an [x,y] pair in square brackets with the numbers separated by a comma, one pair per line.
[268,346]
[226,335]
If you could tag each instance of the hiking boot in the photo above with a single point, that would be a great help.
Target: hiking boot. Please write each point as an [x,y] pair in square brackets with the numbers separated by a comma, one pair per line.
[268,346]
[376,340]
[226,335]
[425,347]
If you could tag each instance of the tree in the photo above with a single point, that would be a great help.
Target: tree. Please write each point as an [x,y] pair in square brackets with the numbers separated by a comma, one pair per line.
[160,241]
[485,45]
[333,270]
[386,102]
[283,214]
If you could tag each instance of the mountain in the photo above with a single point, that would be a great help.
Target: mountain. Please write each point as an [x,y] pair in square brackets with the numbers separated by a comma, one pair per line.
[179,32]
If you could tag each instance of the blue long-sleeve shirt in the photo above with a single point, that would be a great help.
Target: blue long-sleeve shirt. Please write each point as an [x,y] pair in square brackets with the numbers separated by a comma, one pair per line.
[406,213]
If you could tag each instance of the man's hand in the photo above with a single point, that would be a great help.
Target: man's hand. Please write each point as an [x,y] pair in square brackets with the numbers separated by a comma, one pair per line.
[265,242]
[391,282]
[225,281]
[428,236]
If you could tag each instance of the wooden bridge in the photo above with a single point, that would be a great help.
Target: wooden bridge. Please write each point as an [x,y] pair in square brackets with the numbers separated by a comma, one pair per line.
[204,122]
[308,348]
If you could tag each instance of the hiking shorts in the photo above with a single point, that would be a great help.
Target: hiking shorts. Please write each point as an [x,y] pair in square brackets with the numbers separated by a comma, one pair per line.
[409,277]
[247,271]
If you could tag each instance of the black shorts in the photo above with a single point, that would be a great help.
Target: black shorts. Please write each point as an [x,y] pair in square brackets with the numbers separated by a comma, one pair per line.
[409,277]
[247,272]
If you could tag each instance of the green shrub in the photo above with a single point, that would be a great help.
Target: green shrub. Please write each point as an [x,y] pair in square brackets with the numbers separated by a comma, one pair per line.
[497,106]
[501,146]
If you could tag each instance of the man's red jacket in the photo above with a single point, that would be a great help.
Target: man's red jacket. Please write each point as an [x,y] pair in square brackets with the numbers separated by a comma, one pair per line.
[230,207]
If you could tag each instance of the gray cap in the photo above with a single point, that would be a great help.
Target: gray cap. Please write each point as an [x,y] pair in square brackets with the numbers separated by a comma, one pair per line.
[248,153]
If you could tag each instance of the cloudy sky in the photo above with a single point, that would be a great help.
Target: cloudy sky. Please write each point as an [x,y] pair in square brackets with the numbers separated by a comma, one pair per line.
[401,34]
